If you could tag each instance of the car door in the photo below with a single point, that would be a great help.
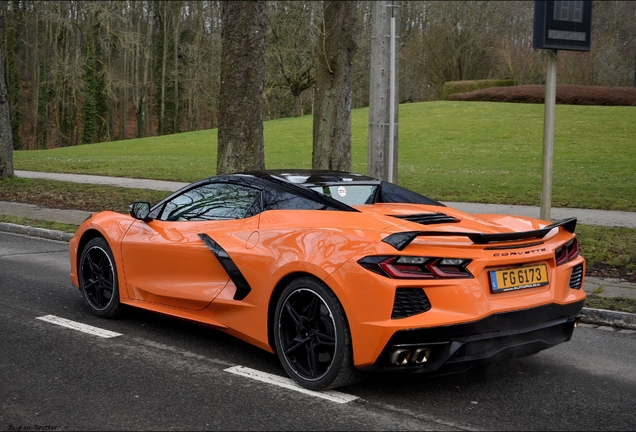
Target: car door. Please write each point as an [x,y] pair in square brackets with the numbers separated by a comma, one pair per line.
[167,262]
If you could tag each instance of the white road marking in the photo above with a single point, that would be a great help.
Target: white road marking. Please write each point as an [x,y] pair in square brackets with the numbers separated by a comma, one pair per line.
[287,383]
[95,331]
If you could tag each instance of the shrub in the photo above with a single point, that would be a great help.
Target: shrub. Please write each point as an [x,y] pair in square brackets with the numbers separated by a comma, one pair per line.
[565,94]
[452,87]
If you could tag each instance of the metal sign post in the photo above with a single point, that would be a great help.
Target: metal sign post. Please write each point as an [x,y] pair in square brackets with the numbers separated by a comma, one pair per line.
[383,99]
[392,175]
[548,134]
[565,25]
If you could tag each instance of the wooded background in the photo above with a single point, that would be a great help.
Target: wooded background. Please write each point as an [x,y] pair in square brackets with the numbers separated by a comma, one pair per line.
[82,72]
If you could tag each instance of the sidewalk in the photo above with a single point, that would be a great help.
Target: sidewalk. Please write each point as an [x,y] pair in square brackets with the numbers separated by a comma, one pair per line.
[601,286]
[106,181]
[584,216]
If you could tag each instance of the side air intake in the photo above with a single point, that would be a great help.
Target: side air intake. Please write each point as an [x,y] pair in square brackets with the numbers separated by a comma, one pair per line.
[576,279]
[409,302]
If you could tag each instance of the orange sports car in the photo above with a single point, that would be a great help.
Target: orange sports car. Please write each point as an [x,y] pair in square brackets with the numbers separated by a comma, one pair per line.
[338,273]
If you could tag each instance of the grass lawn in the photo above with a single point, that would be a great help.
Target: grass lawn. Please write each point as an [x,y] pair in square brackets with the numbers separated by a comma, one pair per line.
[18,220]
[451,151]
[610,251]
[617,304]
[74,196]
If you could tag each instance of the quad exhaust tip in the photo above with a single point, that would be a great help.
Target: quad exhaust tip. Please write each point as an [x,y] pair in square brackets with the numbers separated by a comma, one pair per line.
[403,356]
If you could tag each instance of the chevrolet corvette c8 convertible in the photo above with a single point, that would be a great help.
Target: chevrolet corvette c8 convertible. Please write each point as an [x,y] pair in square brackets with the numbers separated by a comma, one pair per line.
[337,273]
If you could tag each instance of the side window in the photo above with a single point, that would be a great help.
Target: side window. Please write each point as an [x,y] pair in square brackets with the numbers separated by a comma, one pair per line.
[276,199]
[215,201]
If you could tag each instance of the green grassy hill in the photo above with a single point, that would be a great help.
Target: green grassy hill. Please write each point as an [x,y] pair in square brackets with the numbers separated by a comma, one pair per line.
[451,151]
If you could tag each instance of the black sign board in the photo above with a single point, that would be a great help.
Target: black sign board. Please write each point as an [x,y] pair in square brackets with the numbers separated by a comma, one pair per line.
[562,25]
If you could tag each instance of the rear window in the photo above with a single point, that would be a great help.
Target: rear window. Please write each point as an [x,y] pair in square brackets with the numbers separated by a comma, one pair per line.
[351,194]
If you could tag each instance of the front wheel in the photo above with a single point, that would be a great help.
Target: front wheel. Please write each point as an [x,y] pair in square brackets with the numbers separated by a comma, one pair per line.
[98,278]
[312,336]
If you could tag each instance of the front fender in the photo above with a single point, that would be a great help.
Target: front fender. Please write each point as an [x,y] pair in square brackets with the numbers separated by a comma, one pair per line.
[112,227]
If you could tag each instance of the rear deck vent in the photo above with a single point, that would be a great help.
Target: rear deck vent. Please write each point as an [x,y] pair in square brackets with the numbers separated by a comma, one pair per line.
[409,301]
[576,279]
[428,218]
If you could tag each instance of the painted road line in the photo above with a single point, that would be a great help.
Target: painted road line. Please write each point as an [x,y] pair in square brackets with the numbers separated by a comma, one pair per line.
[287,383]
[95,331]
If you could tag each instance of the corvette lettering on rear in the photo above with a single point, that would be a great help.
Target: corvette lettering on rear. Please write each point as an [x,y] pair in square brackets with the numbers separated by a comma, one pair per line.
[528,252]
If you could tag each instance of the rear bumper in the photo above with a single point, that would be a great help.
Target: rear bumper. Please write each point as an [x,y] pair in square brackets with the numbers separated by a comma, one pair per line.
[456,348]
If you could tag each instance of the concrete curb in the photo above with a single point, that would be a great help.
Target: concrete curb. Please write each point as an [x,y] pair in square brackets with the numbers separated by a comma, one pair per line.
[599,317]
[609,318]
[35,232]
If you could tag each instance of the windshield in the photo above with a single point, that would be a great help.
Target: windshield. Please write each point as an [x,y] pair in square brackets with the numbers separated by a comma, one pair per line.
[351,194]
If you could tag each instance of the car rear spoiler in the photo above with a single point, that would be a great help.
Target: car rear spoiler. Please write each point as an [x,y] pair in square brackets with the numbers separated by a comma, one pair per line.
[401,240]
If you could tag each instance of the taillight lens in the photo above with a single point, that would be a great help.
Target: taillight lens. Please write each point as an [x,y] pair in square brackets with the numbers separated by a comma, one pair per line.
[567,252]
[415,267]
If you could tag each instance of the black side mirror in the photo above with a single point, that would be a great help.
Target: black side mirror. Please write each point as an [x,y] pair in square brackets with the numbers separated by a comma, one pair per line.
[140,210]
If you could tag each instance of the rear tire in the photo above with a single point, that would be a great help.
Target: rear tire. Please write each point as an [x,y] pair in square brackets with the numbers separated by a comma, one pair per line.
[312,336]
[98,279]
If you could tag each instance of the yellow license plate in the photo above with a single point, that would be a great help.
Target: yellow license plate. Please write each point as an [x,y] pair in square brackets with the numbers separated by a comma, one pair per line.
[518,278]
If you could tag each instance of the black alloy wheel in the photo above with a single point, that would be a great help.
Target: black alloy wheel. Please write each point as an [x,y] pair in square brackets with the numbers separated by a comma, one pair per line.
[312,336]
[98,278]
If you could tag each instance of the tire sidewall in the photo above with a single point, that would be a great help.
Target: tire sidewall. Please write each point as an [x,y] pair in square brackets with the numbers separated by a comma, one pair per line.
[342,349]
[113,306]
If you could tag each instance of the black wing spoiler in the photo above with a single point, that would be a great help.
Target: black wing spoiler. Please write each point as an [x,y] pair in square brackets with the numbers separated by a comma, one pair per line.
[401,240]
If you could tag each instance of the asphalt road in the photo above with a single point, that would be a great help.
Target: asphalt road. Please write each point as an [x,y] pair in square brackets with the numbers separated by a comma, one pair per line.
[161,373]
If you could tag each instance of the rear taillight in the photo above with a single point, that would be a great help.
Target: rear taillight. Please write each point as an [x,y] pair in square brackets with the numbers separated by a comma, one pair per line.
[414,267]
[567,252]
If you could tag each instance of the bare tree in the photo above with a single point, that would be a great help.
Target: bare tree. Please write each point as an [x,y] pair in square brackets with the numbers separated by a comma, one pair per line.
[150,54]
[241,145]
[334,86]
[143,54]
[291,47]
[6,142]
[457,48]
[362,59]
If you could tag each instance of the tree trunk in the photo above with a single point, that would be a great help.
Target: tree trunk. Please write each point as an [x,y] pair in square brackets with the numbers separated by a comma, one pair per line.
[176,127]
[164,59]
[141,106]
[334,87]
[136,68]
[35,84]
[241,145]
[297,111]
[195,93]
[6,140]
[124,111]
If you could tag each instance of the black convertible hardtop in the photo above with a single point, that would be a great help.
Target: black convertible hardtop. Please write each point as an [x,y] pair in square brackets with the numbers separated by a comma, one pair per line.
[281,186]
[387,192]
